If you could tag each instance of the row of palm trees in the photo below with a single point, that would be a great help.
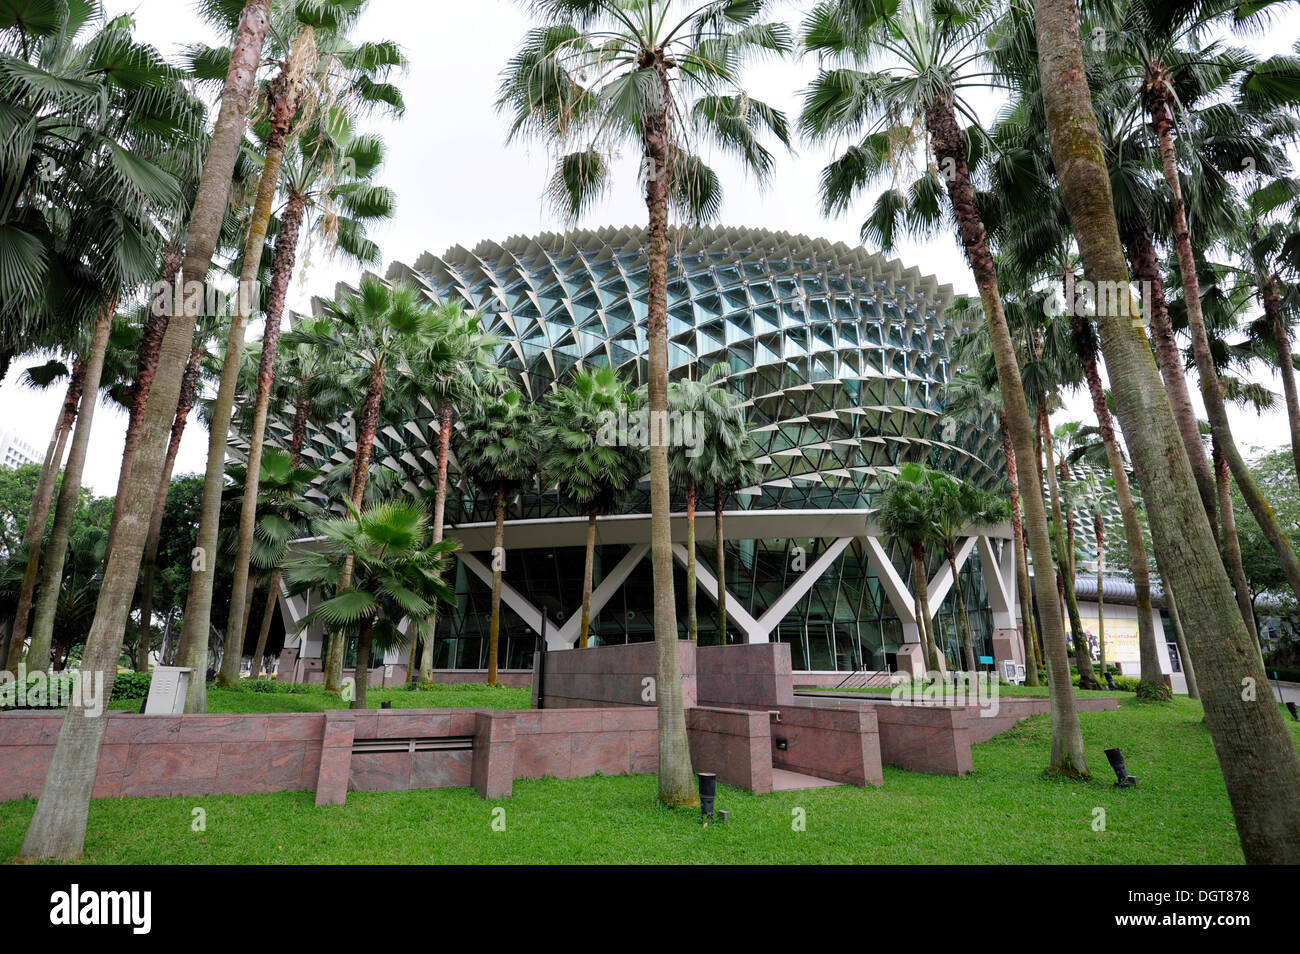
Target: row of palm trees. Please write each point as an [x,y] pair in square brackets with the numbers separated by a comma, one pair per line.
[1089,160]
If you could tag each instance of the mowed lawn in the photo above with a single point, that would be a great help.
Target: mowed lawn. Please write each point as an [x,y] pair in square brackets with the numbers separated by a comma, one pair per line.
[1006,811]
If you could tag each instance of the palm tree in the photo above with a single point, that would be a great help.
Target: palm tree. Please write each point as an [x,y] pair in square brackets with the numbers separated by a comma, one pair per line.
[715,414]
[957,508]
[594,75]
[732,454]
[58,826]
[907,515]
[455,376]
[393,334]
[393,576]
[499,451]
[330,171]
[584,457]
[1169,66]
[935,51]
[284,95]
[1255,751]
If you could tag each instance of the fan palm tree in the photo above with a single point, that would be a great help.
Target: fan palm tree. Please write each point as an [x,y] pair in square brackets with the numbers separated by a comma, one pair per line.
[499,452]
[1258,758]
[58,826]
[592,468]
[906,68]
[715,414]
[598,74]
[382,571]
[731,466]
[907,515]
[957,508]
[393,334]
[329,175]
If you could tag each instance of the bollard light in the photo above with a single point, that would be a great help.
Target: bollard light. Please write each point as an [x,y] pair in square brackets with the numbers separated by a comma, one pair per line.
[1122,778]
[385,705]
[1110,680]
[708,792]
[1295,716]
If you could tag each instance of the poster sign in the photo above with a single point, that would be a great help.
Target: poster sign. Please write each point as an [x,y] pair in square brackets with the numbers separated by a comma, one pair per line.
[1121,638]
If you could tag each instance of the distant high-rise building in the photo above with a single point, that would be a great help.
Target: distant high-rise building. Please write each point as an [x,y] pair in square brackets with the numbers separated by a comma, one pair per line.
[14,451]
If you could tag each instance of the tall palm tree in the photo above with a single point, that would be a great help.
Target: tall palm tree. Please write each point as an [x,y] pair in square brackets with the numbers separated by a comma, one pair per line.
[907,515]
[592,466]
[455,376]
[331,170]
[958,507]
[1255,751]
[499,451]
[394,576]
[732,454]
[715,414]
[58,826]
[597,74]
[925,56]
[392,333]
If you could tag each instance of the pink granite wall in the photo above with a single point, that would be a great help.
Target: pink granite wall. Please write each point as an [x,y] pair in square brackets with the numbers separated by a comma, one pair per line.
[572,743]
[607,676]
[734,744]
[924,738]
[757,674]
[841,744]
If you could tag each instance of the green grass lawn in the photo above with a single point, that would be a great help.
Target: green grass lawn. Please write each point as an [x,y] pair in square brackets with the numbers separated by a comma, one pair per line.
[1004,689]
[316,699]
[1006,811]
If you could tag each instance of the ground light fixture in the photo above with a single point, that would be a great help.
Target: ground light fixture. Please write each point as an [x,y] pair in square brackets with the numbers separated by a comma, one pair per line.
[708,792]
[1295,716]
[1122,778]
[1110,680]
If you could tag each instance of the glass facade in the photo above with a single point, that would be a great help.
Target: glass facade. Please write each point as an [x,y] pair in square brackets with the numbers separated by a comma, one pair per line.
[840,356]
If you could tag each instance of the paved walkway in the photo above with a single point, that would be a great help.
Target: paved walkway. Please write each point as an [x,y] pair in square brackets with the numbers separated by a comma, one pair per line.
[784,780]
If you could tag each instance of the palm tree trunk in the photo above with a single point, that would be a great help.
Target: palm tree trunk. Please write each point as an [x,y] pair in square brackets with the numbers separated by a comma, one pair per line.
[498,544]
[1027,630]
[367,427]
[362,670]
[1232,545]
[268,614]
[189,388]
[676,777]
[1285,362]
[1099,530]
[445,411]
[1159,106]
[962,619]
[948,141]
[691,623]
[924,620]
[281,270]
[1150,682]
[1146,270]
[39,514]
[1256,753]
[1065,561]
[56,551]
[588,567]
[720,566]
[146,367]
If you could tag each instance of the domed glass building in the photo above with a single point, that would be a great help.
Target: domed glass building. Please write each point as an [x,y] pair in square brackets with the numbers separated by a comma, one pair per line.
[841,357]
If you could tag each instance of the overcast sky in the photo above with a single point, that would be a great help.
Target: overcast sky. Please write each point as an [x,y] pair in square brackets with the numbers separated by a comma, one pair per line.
[458,183]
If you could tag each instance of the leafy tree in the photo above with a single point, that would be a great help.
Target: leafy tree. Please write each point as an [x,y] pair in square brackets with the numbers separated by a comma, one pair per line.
[907,514]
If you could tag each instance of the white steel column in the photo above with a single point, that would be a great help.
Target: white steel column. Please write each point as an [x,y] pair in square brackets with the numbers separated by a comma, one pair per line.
[787,600]
[705,580]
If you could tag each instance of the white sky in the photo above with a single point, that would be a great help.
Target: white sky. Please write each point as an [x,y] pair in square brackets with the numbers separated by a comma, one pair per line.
[458,183]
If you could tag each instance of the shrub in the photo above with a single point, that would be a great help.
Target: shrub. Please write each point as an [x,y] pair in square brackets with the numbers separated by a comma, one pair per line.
[1286,675]
[130,685]
[275,686]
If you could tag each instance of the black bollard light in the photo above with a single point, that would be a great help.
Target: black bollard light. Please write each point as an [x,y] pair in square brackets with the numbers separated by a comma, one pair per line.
[385,705]
[708,792]
[1295,716]
[1110,680]
[1122,778]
